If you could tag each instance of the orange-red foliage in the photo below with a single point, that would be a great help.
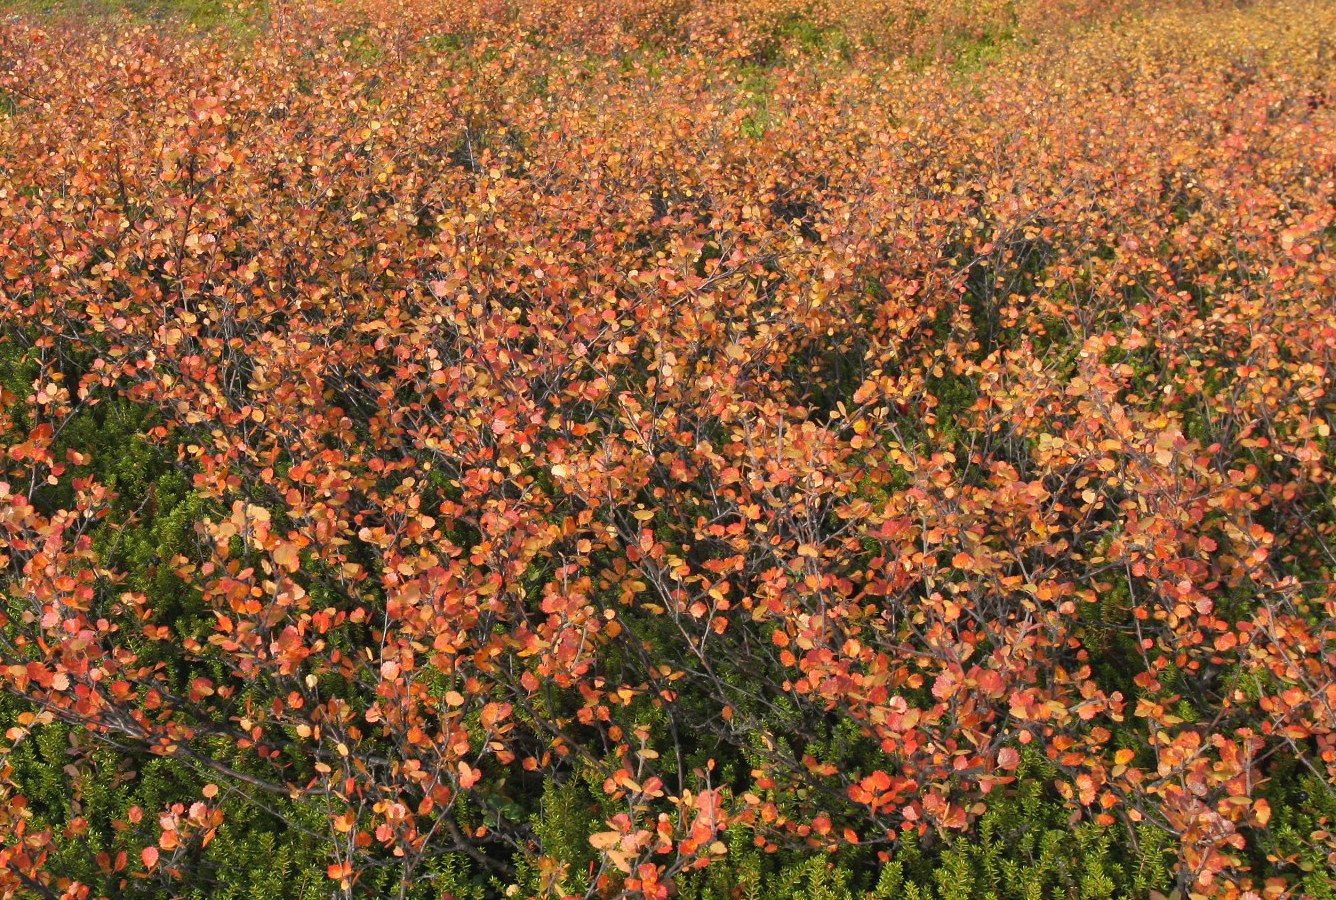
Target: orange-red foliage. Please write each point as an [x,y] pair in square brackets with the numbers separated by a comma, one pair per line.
[538,366]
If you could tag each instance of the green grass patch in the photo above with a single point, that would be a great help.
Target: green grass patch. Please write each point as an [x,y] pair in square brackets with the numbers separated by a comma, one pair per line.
[201,14]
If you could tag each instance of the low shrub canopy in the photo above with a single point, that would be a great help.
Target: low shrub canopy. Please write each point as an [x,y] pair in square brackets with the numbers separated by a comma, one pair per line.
[768,449]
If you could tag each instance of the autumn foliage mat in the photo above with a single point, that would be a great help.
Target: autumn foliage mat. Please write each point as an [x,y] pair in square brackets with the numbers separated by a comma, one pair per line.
[766,449]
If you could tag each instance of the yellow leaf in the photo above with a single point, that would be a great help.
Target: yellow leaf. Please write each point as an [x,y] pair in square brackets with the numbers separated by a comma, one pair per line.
[605,840]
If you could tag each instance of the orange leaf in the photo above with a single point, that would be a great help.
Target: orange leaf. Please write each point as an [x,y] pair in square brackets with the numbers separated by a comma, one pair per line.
[287,555]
